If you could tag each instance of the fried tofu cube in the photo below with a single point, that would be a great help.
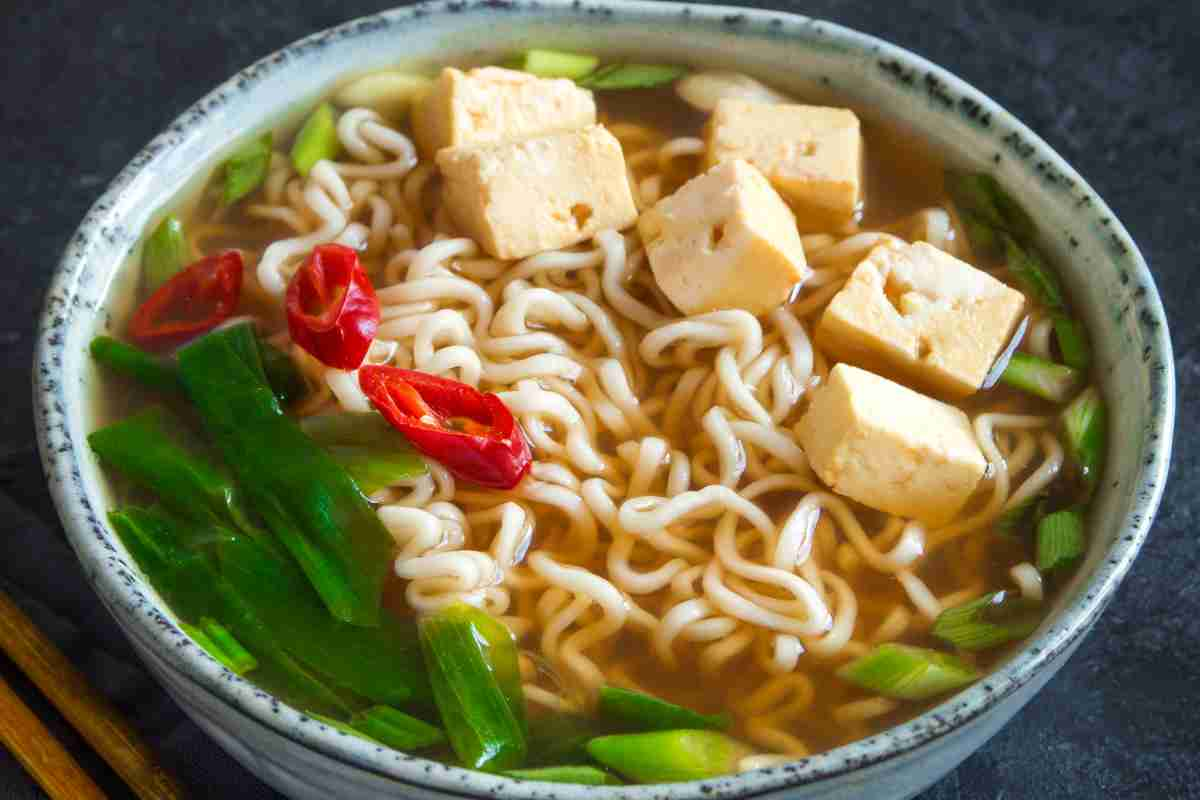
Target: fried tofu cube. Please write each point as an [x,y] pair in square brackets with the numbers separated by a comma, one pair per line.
[725,239]
[811,154]
[891,448]
[918,314]
[491,104]
[524,197]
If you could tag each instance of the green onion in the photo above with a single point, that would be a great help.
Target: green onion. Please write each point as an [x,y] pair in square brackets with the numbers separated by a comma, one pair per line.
[246,169]
[980,196]
[165,253]
[991,620]
[1014,521]
[648,713]
[480,721]
[374,453]
[585,774]
[1085,428]
[132,362]
[561,738]
[905,672]
[633,76]
[1035,278]
[669,756]
[395,729]
[1072,342]
[316,140]
[286,381]
[1060,541]
[221,645]
[555,64]
[1045,379]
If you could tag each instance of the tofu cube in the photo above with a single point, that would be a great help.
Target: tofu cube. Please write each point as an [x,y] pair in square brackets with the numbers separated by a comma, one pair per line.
[891,448]
[811,154]
[528,196]
[918,314]
[492,104]
[725,239]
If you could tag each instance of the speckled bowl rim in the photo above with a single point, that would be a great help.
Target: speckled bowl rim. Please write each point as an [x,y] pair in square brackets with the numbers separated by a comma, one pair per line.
[133,604]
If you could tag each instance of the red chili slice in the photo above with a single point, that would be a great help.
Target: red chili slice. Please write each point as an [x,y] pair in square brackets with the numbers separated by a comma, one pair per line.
[471,433]
[196,300]
[332,309]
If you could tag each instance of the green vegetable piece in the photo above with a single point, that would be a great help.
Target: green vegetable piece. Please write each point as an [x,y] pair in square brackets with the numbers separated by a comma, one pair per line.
[633,76]
[1072,342]
[285,379]
[648,713]
[1035,278]
[1014,521]
[316,140]
[376,454]
[1044,379]
[132,362]
[1060,540]
[585,774]
[990,621]
[148,449]
[556,64]
[246,169]
[221,645]
[308,500]
[478,716]
[1085,429]
[980,195]
[395,729]
[905,672]
[669,756]
[165,253]
[561,738]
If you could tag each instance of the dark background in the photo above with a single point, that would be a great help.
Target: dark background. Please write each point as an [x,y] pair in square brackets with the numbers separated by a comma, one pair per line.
[1111,85]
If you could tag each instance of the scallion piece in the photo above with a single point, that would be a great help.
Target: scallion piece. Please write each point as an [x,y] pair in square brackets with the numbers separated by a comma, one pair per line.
[555,64]
[246,169]
[991,620]
[480,722]
[981,196]
[633,76]
[221,645]
[1045,379]
[1085,429]
[1072,342]
[1013,521]
[1060,540]
[905,672]
[584,774]
[374,453]
[132,362]
[1035,278]
[669,756]
[286,381]
[165,253]
[395,729]
[647,713]
[316,140]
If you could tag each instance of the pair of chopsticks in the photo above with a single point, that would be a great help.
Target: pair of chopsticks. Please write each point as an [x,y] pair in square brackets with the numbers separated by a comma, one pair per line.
[43,756]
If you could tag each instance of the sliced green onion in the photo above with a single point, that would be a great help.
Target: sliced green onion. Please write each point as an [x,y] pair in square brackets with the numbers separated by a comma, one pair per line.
[633,76]
[132,362]
[391,93]
[1060,540]
[338,725]
[584,774]
[165,253]
[374,453]
[1072,342]
[1035,278]
[669,756]
[561,738]
[1045,379]
[395,729]
[1085,429]
[246,169]
[285,379]
[480,721]
[647,713]
[1014,521]
[556,64]
[233,655]
[316,140]
[981,196]
[905,672]
[982,236]
[991,620]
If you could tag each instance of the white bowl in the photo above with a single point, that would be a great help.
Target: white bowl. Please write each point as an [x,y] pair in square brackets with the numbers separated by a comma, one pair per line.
[303,758]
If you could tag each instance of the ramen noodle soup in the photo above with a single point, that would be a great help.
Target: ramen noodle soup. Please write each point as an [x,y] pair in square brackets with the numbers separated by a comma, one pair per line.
[598,423]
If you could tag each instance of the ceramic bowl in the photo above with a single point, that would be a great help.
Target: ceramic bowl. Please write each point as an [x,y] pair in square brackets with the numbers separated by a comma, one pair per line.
[303,758]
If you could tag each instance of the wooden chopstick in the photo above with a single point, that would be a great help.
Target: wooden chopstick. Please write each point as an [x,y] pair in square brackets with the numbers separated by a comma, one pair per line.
[40,753]
[88,712]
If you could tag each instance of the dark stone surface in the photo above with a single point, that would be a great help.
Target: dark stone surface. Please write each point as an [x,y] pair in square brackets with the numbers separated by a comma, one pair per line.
[1111,85]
